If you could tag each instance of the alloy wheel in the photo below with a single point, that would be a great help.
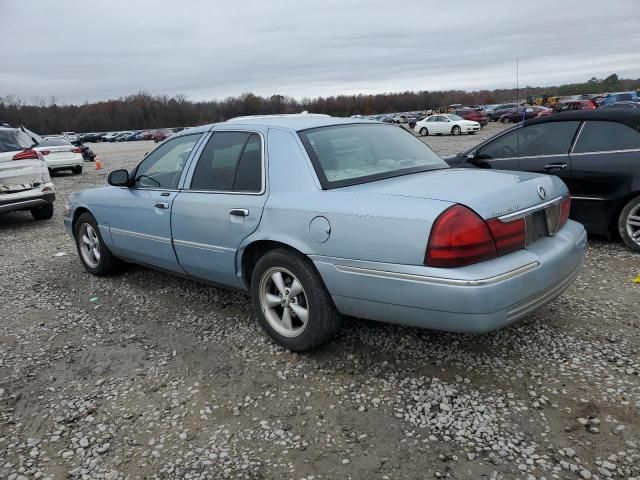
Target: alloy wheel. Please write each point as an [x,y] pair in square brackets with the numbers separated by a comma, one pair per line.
[284,302]
[633,224]
[89,245]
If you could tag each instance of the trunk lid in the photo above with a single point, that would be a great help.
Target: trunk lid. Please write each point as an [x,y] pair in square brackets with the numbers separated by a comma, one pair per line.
[489,193]
[22,175]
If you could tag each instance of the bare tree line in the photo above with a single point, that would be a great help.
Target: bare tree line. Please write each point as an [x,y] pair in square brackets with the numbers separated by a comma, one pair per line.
[145,111]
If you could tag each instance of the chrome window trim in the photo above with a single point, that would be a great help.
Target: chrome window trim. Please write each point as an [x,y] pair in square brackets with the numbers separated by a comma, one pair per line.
[409,277]
[575,141]
[263,144]
[523,213]
[629,150]
[144,236]
[597,199]
[202,246]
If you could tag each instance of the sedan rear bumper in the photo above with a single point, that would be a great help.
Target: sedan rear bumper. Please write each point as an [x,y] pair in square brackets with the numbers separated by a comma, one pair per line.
[478,298]
[25,202]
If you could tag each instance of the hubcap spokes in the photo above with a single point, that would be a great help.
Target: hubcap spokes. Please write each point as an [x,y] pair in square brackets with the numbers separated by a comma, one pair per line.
[633,224]
[89,245]
[284,302]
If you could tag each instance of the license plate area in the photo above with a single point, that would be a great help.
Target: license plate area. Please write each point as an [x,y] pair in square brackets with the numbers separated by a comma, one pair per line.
[543,223]
[535,226]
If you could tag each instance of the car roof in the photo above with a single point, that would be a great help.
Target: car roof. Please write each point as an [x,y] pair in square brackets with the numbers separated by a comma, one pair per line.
[629,117]
[294,122]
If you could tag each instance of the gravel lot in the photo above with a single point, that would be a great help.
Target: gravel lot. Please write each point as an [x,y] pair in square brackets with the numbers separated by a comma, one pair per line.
[144,375]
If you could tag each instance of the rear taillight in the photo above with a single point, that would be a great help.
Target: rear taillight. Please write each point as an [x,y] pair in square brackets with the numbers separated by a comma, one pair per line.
[45,152]
[565,209]
[459,237]
[509,236]
[27,155]
[76,150]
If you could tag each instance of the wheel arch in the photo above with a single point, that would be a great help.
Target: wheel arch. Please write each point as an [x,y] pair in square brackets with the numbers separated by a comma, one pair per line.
[251,253]
[76,214]
[617,210]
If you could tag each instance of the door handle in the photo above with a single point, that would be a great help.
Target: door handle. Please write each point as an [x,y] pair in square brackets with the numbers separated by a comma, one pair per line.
[555,166]
[239,212]
[164,205]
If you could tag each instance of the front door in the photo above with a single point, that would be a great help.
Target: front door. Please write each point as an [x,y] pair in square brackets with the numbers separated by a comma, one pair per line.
[220,206]
[141,230]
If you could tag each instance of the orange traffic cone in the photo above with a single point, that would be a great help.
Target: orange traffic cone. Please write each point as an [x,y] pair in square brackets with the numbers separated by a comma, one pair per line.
[98,164]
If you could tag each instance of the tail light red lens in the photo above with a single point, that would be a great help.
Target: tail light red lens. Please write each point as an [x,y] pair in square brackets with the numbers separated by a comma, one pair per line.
[509,236]
[459,237]
[26,155]
[565,209]
[76,150]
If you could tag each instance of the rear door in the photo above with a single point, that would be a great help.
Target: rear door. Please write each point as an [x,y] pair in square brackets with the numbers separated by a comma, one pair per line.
[603,160]
[220,205]
[544,148]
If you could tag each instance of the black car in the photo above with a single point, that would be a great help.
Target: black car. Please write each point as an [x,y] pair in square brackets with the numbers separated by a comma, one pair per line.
[500,110]
[596,153]
[92,137]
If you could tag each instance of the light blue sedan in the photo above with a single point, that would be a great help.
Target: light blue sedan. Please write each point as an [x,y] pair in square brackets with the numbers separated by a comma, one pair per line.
[319,217]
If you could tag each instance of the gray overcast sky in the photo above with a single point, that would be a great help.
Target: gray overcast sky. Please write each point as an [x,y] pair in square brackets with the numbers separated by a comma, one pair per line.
[94,50]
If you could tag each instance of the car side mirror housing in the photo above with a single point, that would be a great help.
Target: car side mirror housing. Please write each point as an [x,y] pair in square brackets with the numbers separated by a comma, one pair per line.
[119,178]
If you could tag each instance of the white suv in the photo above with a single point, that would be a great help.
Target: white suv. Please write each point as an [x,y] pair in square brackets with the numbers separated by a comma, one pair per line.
[24,177]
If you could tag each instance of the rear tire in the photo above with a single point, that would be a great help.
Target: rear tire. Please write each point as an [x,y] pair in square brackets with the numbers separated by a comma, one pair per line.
[424,132]
[77,170]
[456,130]
[88,241]
[629,224]
[279,274]
[506,120]
[42,213]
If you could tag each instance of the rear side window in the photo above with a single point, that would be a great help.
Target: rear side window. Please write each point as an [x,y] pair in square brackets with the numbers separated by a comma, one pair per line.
[552,138]
[12,140]
[231,161]
[606,136]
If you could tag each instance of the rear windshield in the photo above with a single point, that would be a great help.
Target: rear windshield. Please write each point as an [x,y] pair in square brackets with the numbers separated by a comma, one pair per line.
[54,142]
[350,154]
[14,139]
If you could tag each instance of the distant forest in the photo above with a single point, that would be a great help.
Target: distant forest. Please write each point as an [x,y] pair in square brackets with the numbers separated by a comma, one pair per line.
[146,111]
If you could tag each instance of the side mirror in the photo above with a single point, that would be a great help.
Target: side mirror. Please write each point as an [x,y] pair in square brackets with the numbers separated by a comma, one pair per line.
[119,178]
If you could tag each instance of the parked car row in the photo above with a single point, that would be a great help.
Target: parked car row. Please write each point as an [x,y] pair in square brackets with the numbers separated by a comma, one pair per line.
[157,135]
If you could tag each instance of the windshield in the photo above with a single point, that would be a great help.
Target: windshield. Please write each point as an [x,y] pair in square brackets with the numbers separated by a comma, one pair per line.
[350,154]
[54,142]
[14,139]
[455,118]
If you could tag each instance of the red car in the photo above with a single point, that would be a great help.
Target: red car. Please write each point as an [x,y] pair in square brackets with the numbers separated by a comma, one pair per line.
[473,114]
[575,105]
[160,135]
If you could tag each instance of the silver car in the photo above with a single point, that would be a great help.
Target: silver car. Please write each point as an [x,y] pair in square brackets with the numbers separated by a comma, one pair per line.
[319,217]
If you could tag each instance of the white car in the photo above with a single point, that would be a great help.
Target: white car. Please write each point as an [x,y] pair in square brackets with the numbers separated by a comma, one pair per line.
[25,183]
[448,124]
[71,136]
[60,155]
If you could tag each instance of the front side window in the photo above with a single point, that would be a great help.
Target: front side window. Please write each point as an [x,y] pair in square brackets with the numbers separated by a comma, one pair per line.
[162,167]
[230,162]
[350,154]
[598,136]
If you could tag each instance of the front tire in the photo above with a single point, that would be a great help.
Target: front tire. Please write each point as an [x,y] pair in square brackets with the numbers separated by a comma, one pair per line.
[77,170]
[291,301]
[96,258]
[506,120]
[424,132]
[629,224]
[456,130]
[42,213]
